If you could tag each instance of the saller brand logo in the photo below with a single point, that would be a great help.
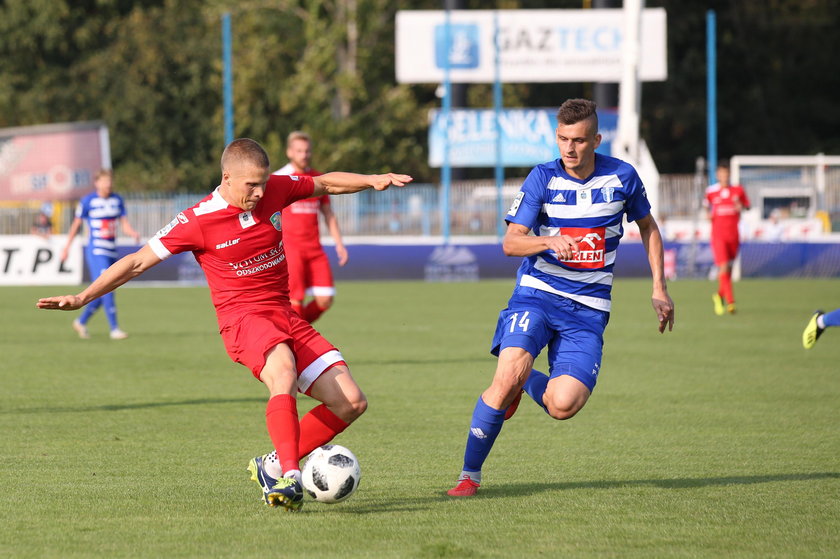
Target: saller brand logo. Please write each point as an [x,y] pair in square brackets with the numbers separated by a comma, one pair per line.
[226,244]
[591,247]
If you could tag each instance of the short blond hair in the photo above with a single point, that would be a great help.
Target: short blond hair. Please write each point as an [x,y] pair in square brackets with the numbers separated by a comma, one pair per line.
[297,135]
[103,173]
[245,149]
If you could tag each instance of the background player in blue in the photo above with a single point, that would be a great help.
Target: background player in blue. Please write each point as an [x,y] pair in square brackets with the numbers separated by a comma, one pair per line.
[101,210]
[575,207]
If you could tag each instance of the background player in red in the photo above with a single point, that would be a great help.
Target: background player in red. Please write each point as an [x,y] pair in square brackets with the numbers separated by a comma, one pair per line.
[309,267]
[236,235]
[725,202]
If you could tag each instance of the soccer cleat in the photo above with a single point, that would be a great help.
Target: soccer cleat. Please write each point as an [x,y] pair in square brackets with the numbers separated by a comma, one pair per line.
[465,488]
[513,406]
[81,330]
[812,331]
[284,492]
[731,309]
[720,309]
[117,334]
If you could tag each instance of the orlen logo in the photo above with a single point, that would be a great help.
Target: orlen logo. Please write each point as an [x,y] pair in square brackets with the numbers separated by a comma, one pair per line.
[463,46]
[591,247]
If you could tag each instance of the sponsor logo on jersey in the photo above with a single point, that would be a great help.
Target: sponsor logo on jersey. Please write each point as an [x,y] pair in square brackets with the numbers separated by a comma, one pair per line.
[167,228]
[559,198]
[591,247]
[516,201]
[276,220]
[182,218]
[246,220]
[226,244]
[294,177]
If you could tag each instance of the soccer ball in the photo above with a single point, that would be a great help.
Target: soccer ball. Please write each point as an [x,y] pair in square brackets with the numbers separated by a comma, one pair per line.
[331,474]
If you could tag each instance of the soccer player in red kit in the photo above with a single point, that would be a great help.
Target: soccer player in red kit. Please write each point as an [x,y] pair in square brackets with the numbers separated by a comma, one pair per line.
[236,235]
[725,202]
[309,267]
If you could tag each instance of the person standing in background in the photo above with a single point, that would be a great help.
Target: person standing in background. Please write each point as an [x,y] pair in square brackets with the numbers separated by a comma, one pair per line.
[725,202]
[309,266]
[101,211]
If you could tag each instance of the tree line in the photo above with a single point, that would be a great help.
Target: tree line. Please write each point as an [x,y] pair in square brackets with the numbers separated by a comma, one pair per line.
[152,71]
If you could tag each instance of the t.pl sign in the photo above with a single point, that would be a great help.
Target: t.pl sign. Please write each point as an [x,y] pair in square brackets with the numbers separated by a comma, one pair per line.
[534,46]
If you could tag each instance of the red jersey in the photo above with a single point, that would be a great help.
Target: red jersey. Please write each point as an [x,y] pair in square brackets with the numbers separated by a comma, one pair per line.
[723,206]
[241,252]
[301,218]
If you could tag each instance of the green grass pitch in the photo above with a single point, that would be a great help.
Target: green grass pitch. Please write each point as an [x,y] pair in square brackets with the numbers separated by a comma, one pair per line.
[720,439]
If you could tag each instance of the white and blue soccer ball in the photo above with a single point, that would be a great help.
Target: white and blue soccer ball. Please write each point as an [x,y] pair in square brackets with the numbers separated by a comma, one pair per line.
[331,474]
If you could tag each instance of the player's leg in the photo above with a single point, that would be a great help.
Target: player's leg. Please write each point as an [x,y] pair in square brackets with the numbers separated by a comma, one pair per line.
[297,278]
[320,286]
[722,262]
[94,268]
[520,335]
[342,402]
[260,341]
[816,326]
[574,356]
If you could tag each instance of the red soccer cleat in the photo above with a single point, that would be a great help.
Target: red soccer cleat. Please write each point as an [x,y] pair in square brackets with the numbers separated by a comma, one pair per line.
[465,488]
[513,406]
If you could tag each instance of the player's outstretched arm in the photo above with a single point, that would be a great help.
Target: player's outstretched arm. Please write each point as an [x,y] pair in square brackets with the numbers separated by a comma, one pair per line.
[661,300]
[121,271]
[350,183]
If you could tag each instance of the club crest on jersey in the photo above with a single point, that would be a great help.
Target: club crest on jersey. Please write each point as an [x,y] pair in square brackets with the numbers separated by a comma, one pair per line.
[607,192]
[276,221]
[246,220]
[182,218]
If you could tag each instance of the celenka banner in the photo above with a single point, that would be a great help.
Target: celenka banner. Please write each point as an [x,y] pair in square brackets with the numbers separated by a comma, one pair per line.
[33,260]
[53,161]
[527,136]
[534,46]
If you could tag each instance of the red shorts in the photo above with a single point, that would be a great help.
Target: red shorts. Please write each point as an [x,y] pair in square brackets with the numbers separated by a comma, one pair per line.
[309,273]
[248,339]
[725,248]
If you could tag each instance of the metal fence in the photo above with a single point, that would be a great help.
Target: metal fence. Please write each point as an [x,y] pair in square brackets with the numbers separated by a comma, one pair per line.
[414,210]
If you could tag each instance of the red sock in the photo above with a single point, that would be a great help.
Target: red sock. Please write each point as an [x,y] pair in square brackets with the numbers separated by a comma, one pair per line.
[298,308]
[318,427]
[312,311]
[725,280]
[281,418]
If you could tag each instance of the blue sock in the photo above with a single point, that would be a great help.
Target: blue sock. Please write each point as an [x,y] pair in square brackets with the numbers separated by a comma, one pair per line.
[832,318]
[484,428]
[535,387]
[110,310]
[89,309]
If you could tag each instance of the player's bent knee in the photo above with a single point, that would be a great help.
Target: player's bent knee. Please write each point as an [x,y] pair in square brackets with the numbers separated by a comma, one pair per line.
[562,413]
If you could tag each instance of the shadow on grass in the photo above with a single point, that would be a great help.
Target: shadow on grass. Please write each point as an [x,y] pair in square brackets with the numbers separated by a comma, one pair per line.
[519,489]
[137,406]
[435,499]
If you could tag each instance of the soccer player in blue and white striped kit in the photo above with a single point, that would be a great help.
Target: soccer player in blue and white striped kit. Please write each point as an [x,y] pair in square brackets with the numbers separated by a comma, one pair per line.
[575,206]
[101,210]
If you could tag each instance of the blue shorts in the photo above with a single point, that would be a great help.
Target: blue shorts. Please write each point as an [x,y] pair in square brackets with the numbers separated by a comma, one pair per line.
[574,333]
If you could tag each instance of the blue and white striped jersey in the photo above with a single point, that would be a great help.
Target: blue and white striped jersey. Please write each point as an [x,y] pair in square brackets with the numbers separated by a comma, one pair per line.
[101,216]
[551,202]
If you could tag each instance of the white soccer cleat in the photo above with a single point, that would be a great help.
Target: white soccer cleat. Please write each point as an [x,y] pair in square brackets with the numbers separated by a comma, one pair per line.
[117,334]
[81,330]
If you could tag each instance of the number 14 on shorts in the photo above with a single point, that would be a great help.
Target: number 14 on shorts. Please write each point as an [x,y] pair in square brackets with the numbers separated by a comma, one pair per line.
[521,323]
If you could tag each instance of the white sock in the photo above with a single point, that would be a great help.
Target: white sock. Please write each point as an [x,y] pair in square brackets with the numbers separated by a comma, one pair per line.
[475,476]
[293,474]
[820,321]
[272,465]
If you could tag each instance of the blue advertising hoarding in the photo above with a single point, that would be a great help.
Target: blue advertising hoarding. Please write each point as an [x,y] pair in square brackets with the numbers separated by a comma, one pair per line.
[527,136]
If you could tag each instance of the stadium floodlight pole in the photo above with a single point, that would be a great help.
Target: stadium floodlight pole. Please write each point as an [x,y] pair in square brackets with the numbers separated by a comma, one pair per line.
[227,77]
[446,169]
[497,106]
[711,95]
